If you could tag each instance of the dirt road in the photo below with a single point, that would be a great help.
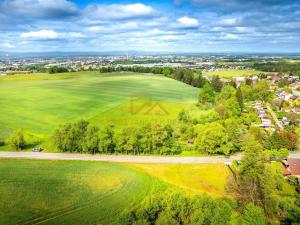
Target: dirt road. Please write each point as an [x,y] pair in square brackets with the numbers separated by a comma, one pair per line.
[117,158]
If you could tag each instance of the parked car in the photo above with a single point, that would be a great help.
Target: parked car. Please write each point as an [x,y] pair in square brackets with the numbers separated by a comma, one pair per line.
[37,149]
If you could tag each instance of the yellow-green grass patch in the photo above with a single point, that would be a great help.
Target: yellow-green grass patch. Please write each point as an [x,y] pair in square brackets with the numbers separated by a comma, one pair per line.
[194,178]
[232,73]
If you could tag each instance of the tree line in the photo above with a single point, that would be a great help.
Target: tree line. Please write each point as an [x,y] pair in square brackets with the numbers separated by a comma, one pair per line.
[281,67]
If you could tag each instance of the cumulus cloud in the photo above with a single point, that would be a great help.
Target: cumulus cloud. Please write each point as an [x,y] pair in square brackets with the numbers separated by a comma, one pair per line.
[41,34]
[118,11]
[187,22]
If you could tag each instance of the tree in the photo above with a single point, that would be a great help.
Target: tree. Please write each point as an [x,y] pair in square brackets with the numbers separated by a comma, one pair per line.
[206,94]
[227,104]
[228,108]
[70,137]
[253,215]
[216,83]
[240,99]
[183,116]
[107,142]
[254,182]
[213,139]
[235,131]
[261,90]
[91,140]
[16,139]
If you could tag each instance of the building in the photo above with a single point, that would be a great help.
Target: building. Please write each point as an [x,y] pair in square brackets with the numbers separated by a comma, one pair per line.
[292,167]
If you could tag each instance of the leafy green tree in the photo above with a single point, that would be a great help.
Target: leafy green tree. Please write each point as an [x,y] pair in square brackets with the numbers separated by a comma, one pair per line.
[261,90]
[236,132]
[91,140]
[70,137]
[240,99]
[107,142]
[253,215]
[16,139]
[213,139]
[216,83]
[247,92]
[254,182]
[228,108]
[206,94]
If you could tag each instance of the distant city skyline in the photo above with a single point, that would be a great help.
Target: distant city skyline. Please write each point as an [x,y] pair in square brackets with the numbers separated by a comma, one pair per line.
[161,26]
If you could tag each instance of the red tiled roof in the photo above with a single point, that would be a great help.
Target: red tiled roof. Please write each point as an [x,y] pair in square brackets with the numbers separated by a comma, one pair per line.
[292,170]
[293,161]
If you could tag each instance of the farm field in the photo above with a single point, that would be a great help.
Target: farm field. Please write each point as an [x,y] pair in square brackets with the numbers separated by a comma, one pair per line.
[70,192]
[194,178]
[40,103]
[232,73]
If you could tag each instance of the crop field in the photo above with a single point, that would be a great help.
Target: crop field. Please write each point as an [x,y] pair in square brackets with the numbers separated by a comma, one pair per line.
[38,103]
[70,192]
[232,73]
[194,178]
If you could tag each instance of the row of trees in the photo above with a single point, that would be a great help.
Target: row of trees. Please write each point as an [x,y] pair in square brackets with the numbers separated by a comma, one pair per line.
[83,137]
[281,67]
[188,76]
[58,69]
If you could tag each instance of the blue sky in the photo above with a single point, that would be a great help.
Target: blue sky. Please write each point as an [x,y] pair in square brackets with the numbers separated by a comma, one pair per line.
[166,25]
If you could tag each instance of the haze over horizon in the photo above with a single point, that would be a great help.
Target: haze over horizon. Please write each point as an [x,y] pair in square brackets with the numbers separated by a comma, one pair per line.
[154,26]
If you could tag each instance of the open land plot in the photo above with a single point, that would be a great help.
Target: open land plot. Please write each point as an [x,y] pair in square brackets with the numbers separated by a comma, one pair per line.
[232,73]
[39,103]
[194,178]
[70,192]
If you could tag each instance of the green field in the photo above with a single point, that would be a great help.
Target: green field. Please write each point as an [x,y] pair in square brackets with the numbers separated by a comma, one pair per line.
[232,73]
[38,103]
[70,192]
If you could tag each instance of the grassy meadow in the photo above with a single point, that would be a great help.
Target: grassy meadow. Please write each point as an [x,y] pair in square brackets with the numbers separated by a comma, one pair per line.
[232,73]
[39,103]
[70,192]
[82,192]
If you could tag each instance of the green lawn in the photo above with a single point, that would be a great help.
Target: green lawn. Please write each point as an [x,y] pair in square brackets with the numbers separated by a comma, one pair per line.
[232,73]
[70,192]
[38,103]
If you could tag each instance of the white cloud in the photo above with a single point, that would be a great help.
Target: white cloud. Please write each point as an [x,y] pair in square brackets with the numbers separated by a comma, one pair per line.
[242,29]
[187,22]
[230,37]
[169,38]
[228,22]
[7,45]
[41,34]
[114,27]
[50,34]
[118,11]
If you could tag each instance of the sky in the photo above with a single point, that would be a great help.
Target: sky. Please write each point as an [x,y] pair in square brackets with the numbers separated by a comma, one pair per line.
[162,26]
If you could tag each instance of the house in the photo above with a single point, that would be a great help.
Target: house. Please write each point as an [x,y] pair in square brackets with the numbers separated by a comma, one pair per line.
[239,81]
[254,79]
[292,167]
